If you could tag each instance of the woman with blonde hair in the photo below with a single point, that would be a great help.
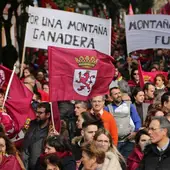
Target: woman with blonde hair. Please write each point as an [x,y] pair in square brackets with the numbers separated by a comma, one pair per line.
[113,159]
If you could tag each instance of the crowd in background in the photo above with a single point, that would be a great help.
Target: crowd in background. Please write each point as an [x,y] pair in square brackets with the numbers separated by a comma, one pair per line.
[128,128]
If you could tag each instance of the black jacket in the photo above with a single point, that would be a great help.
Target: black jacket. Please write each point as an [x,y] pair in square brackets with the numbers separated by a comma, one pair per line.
[33,144]
[76,148]
[154,159]
[29,138]
[68,163]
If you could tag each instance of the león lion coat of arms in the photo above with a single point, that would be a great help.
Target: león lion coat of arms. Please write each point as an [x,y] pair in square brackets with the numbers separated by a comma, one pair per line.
[84,80]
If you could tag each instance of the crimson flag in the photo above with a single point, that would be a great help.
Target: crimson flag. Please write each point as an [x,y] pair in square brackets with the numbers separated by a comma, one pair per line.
[78,74]
[166,9]
[49,3]
[148,76]
[56,116]
[10,162]
[18,103]
[130,10]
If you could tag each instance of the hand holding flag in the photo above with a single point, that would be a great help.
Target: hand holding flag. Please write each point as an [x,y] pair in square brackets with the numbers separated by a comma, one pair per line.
[18,103]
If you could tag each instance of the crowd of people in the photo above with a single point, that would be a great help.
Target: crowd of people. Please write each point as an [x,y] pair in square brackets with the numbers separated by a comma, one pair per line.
[127,129]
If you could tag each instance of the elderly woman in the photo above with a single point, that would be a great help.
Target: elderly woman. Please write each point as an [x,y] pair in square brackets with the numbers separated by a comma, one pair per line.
[113,159]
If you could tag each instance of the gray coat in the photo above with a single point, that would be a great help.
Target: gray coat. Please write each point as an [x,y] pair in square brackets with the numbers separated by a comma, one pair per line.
[33,144]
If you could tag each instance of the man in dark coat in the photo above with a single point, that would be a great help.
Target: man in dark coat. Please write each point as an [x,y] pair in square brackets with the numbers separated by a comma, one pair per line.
[157,155]
[35,136]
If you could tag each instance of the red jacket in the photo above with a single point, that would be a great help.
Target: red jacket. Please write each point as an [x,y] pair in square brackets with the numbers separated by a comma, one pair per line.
[134,159]
[44,95]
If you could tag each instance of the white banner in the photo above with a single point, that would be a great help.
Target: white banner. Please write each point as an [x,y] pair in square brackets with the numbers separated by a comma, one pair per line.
[48,27]
[147,31]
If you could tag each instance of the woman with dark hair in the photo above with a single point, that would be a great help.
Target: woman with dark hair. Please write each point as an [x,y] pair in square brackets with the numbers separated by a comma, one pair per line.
[45,87]
[26,72]
[151,113]
[52,162]
[142,138]
[138,101]
[9,158]
[60,147]
[40,76]
[134,78]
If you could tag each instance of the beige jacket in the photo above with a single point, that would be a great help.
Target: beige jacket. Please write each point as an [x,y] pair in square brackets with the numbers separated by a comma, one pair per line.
[111,162]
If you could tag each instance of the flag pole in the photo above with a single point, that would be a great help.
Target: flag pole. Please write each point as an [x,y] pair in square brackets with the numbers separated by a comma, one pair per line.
[130,13]
[22,62]
[110,22]
[8,87]
[129,66]
[23,57]
[52,117]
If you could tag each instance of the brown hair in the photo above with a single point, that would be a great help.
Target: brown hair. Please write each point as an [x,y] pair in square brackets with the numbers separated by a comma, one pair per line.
[112,146]
[2,129]
[164,79]
[106,133]
[10,148]
[93,152]
[152,112]
[52,159]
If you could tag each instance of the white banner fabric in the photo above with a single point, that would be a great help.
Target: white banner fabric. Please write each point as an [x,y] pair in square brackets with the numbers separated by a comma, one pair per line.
[49,27]
[147,31]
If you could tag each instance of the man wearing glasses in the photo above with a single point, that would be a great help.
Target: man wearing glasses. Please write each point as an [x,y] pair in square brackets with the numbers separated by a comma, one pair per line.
[37,132]
[157,154]
[107,118]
